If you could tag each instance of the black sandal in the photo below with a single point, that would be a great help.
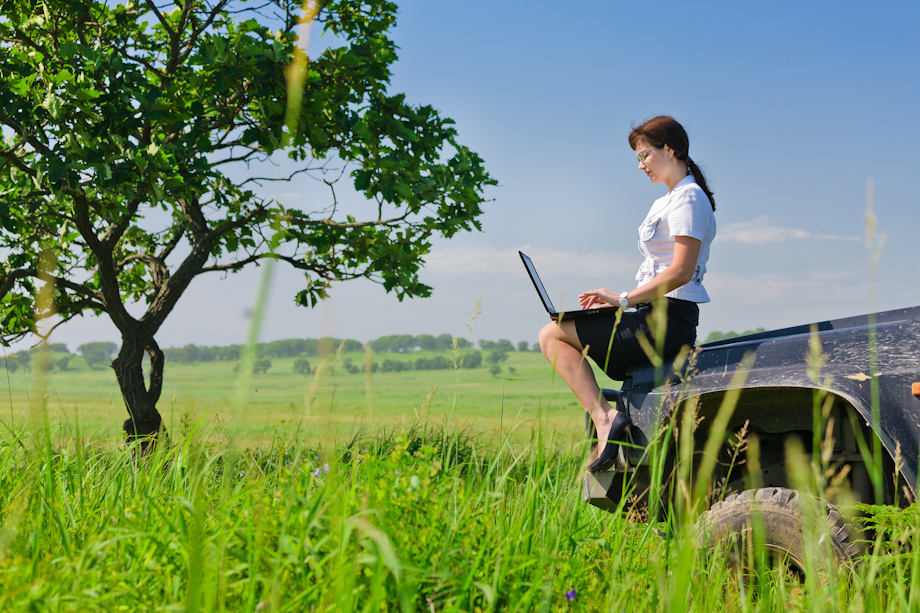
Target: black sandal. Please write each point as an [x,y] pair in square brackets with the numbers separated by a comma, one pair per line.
[608,457]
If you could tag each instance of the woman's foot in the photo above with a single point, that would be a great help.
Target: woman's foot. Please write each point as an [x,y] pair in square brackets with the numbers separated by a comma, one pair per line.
[608,446]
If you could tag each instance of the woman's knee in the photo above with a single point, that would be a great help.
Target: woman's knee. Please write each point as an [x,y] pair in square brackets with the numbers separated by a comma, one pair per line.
[549,333]
[553,332]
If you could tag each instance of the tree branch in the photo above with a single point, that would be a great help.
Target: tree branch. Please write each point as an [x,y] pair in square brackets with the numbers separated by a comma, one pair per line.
[190,45]
[23,37]
[23,133]
[239,263]
[352,224]
[162,19]
[245,220]
[243,158]
[168,247]
[170,291]
[195,217]
[108,277]
[10,279]
[259,180]
[114,234]
[17,161]
[158,270]
[65,316]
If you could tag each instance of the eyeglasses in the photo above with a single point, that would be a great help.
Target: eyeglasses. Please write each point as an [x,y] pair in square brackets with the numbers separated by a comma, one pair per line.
[644,156]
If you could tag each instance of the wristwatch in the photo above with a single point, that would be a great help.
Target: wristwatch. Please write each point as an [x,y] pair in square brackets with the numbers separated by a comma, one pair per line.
[624,299]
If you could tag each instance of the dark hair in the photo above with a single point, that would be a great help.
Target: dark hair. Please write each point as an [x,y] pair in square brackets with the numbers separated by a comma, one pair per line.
[663,130]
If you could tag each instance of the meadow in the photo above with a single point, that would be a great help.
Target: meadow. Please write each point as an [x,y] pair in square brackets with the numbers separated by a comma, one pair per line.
[345,493]
[329,403]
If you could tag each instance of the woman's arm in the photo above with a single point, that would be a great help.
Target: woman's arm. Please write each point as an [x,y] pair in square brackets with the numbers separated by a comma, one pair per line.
[680,272]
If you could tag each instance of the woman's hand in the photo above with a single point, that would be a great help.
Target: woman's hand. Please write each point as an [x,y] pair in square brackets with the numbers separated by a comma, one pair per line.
[598,298]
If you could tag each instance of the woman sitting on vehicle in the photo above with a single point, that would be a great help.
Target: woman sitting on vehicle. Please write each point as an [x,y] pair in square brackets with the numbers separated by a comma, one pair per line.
[674,241]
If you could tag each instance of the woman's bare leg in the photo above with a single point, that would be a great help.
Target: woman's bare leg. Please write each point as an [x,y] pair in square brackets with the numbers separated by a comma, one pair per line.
[560,345]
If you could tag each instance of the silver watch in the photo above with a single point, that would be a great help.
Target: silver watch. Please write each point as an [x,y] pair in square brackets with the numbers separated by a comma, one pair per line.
[624,299]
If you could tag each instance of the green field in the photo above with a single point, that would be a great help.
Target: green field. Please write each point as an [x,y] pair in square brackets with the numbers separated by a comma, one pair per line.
[344,493]
[326,405]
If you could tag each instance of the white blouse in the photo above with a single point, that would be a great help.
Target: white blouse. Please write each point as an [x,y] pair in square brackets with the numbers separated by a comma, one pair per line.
[686,211]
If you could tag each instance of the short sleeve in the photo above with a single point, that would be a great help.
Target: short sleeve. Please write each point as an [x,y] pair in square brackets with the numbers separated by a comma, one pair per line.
[689,213]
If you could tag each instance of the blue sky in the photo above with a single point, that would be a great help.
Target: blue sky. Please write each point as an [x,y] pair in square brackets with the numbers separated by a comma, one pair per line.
[791,107]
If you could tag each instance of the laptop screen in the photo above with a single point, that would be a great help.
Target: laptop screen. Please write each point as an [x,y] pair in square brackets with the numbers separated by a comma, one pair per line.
[547,304]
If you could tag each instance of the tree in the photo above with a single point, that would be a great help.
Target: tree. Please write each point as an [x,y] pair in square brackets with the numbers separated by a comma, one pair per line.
[443,341]
[302,366]
[96,354]
[523,346]
[10,363]
[394,342]
[64,364]
[25,358]
[426,342]
[472,359]
[127,128]
[395,365]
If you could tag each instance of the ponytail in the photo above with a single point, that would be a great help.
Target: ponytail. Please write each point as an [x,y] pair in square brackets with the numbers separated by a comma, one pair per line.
[693,169]
[663,130]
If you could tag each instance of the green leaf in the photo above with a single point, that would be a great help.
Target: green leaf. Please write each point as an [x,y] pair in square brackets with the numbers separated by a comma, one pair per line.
[52,104]
[404,190]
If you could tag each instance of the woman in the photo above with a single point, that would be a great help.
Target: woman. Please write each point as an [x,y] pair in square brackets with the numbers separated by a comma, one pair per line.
[674,241]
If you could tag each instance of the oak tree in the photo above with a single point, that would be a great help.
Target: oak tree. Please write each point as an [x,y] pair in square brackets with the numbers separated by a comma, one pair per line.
[134,137]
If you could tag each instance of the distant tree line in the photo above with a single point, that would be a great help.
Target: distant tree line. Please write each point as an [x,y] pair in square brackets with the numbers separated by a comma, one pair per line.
[309,347]
[289,348]
[99,355]
[469,359]
[96,356]
[406,342]
[718,336]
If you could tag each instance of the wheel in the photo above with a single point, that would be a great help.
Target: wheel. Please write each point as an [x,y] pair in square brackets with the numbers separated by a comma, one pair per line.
[789,518]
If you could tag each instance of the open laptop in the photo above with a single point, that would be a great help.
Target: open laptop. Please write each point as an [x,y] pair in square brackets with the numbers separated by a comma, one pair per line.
[547,303]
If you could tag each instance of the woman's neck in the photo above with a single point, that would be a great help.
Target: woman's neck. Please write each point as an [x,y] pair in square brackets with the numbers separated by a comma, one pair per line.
[676,176]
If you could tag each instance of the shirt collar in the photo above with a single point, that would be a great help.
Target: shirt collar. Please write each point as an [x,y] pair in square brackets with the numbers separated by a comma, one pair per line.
[662,203]
[688,180]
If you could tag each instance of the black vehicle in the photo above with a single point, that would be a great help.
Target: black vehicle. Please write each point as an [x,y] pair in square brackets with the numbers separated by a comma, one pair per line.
[777,402]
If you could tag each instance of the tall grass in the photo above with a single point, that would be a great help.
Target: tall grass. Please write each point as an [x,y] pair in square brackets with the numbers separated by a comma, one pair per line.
[426,518]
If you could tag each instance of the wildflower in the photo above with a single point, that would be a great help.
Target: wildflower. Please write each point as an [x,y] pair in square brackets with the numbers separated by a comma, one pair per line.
[570,595]
[325,468]
[318,472]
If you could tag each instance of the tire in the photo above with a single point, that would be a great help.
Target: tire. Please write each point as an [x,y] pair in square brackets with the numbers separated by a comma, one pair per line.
[788,517]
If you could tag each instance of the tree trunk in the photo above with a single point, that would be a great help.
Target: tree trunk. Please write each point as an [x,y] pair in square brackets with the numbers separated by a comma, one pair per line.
[144,422]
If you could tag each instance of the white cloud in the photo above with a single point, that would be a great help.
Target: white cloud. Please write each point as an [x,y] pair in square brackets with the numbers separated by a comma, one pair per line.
[488,260]
[760,230]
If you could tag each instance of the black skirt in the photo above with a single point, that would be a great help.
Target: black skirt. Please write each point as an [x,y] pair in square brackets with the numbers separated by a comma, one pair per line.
[595,332]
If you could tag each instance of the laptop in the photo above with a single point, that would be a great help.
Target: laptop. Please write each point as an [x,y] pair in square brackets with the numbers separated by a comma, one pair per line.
[548,304]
